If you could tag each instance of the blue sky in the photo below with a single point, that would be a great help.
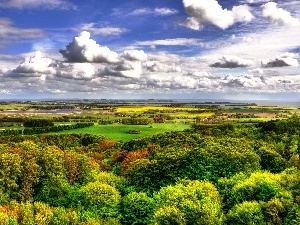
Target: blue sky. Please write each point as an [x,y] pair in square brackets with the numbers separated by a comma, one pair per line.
[241,49]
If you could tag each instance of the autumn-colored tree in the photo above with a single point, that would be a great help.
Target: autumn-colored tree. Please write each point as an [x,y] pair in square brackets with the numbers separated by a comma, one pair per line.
[133,156]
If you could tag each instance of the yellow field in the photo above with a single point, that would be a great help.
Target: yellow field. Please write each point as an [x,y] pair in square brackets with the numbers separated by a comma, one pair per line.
[184,115]
[272,107]
[150,108]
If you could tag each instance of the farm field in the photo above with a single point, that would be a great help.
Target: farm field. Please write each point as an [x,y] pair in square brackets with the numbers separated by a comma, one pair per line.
[119,132]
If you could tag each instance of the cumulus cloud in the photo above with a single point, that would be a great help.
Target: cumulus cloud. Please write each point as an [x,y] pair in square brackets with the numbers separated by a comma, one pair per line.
[49,4]
[232,62]
[156,11]
[242,81]
[125,69]
[155,66]
[80,71]
[135,55]
[209,11]
[93,29]
[35,65]
[84,49]
[129,66]
[278,15]
[286,59]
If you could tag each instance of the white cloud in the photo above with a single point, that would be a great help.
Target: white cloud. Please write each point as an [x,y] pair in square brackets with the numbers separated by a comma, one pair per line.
[260,45]
[256,71]
[243,81]
[209,11]
[156,11]
[35,65]
[91,28]
[9,33]
[229,61]
[135,55]
[172,42]
[254,1]
[80,71]
[125,69]
[278,15]
[84,49]
[155,66]
[165,11]
[286,59]
[49,4]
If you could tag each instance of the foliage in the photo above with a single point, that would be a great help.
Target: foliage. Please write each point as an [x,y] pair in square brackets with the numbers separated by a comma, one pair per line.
[197,202]
[38,123]
[246,213]
[215,173]
[210,161]
[136,208]
[102,198]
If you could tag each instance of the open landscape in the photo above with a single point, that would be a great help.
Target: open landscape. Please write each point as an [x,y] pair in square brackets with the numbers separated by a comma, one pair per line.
[158,112]
[95,162]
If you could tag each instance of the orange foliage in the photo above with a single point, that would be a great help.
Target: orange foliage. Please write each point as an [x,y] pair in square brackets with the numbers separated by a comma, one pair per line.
[118,157]
[105,145]
[133,156]
[71,166]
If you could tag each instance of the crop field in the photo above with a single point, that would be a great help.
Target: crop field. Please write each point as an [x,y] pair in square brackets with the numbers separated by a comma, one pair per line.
[153,108]
[120,131]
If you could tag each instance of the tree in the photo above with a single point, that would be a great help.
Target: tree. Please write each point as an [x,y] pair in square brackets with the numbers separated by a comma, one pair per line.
[101,198]
[246,213]
[136,208]
[197,202]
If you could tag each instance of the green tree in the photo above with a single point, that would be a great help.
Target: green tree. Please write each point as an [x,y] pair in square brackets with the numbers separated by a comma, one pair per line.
[246,213]
[102,198]
[198,202]
[136,208]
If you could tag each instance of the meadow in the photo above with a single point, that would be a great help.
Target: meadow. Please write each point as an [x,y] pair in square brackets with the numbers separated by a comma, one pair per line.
[120,132]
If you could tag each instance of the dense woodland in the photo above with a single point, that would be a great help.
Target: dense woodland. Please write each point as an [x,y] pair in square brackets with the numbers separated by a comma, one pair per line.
[221,173]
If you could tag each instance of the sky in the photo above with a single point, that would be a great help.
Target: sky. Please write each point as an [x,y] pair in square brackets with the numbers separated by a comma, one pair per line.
[158,49]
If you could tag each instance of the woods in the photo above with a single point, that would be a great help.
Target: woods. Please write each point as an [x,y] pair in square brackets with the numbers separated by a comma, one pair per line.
[223,173]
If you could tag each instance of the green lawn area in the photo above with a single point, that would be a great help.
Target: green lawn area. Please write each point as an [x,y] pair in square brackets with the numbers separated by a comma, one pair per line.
[120,131]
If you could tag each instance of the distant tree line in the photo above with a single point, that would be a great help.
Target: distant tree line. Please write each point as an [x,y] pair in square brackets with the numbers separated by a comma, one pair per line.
[46,129]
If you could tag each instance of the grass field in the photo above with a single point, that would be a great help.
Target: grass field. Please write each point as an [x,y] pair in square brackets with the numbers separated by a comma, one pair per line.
[120,131]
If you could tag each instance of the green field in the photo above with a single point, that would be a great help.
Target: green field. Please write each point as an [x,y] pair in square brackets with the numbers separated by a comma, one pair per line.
[120,131]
